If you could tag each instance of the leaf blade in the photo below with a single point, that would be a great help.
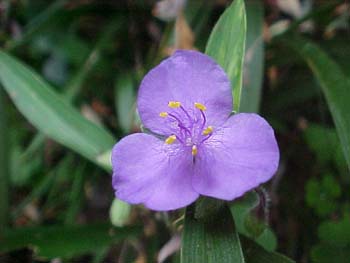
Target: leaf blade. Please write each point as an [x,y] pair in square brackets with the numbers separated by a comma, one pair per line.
[226,45]
[211,239]
[256,254]
[78,239]
[254,58]
[335,85]
[50,113]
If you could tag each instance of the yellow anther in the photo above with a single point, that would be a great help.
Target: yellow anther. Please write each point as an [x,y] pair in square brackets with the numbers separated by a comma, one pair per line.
[163,114]
[174,104]
[171,139]
[208,130]
[200,106]
[194,150]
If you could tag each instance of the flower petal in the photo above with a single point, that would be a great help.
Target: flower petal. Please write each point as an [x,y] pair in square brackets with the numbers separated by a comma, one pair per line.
[187,77]
[146,170]
[237,158]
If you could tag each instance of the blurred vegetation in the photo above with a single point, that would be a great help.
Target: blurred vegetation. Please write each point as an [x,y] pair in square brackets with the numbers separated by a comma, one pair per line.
[55,192]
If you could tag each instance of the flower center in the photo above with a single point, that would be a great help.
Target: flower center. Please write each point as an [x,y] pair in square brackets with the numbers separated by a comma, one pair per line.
[188,126]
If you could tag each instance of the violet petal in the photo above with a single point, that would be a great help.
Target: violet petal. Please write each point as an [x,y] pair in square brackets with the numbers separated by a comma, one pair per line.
[146,170]
[237,158]
[187,77]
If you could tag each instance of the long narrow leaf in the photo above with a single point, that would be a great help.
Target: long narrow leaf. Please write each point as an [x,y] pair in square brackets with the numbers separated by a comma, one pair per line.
[254,57]
[256,254]
[226,45]
[211,238]
[50,113]
[335,85]
[64,241]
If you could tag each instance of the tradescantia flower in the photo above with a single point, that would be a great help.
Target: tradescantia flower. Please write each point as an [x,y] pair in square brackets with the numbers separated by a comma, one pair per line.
[199,148]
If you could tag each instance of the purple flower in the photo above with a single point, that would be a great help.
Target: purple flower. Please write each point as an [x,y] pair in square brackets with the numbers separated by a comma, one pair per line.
[200,149]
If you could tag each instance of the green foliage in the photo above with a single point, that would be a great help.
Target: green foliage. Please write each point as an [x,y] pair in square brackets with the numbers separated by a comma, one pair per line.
[56,54]
[325,144]
[50,113]
[335,86]
[254,58]
[211,238]
[47,241]
[256,254]
[244,212]
[322,195]
[125,101]
[334,242]
[226,45]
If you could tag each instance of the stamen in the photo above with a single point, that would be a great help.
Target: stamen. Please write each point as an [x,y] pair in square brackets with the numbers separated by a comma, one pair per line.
[163,114]
[188,116]
[206,138]
[179,123]
[204,120]
[174,104]
[208,130]
[194,150]
[171,139]
[200,106]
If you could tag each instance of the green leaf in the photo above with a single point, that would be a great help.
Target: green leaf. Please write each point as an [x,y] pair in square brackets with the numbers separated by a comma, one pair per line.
[241,209]
[50,113]
[210,238]
[254,57]
[335,233]
[254,253]
[65,241]
[324,253]
[324,142]
[334,242]
[335,85]
[226,45]
[322,195]
[249,224]
[125,101]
